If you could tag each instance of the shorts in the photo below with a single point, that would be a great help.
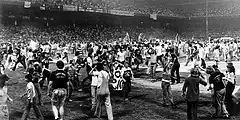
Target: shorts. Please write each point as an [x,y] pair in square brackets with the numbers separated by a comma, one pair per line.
[59,96]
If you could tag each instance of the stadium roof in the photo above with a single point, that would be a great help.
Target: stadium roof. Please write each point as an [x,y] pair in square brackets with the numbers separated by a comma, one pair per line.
[186,2]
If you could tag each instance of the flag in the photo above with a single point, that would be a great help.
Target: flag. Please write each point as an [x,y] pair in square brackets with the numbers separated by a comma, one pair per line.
[177,38]
[153,16]
[126,38]
[140,36]
[33,45]
[27,4]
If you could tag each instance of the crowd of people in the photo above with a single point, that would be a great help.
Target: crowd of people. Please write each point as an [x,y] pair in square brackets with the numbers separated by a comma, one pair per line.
[139,7]
[148,7]
[108,54]
[217,8]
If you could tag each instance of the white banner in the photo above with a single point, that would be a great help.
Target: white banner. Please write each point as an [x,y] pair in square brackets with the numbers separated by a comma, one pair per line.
[123,13]
[117,82]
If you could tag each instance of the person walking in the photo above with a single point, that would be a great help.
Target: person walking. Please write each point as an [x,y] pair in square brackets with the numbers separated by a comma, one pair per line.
[166,85]
[127,76]
[4,114]
[191,85]
[175,68]
[31,98]
[219,92]
[103,93]
[58,83]
[231,99]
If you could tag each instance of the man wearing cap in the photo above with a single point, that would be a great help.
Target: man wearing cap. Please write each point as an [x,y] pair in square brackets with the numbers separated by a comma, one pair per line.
[58,83]
[191,84]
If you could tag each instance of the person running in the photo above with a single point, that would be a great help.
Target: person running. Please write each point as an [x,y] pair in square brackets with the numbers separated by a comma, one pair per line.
[58,83]
[45,69]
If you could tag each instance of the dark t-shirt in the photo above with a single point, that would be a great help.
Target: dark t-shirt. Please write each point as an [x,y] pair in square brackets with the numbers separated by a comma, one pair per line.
[217,81]
[192,85]
[127,75]
[29,77]
[138,53]
[59,79]
[10,51]
[174,57]
[36,74]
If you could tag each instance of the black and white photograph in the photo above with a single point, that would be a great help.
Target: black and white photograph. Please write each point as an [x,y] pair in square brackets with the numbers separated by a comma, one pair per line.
[119,59]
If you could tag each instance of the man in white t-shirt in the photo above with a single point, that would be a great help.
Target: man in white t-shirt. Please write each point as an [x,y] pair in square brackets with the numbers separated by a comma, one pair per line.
[159,52]
[94,89]
[103,85]
[121,56]
[201,55]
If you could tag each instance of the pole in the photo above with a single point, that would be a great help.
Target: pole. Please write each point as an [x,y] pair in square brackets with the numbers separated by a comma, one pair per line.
[206,17]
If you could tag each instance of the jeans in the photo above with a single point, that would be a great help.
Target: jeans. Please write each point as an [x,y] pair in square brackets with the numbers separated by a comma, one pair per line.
[203,63]
[38,91]
[161,59]
[174,69]
[219,98]
[107,101]
[36,109]
[153,67]
[167,93]
[126,89]
[192,110]
[94,96]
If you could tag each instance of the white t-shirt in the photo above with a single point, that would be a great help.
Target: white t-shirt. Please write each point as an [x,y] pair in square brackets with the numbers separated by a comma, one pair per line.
[121,56]
[100,75]
[94,78]
[47,48]
[30,56]
[30,89]
[201,52]
[163,50]
[89,61]
[158,50]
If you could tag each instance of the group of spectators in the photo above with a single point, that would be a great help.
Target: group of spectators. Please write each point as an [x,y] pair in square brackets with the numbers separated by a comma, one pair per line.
[214,9]
[140,7]
[149,7]
[69,34]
